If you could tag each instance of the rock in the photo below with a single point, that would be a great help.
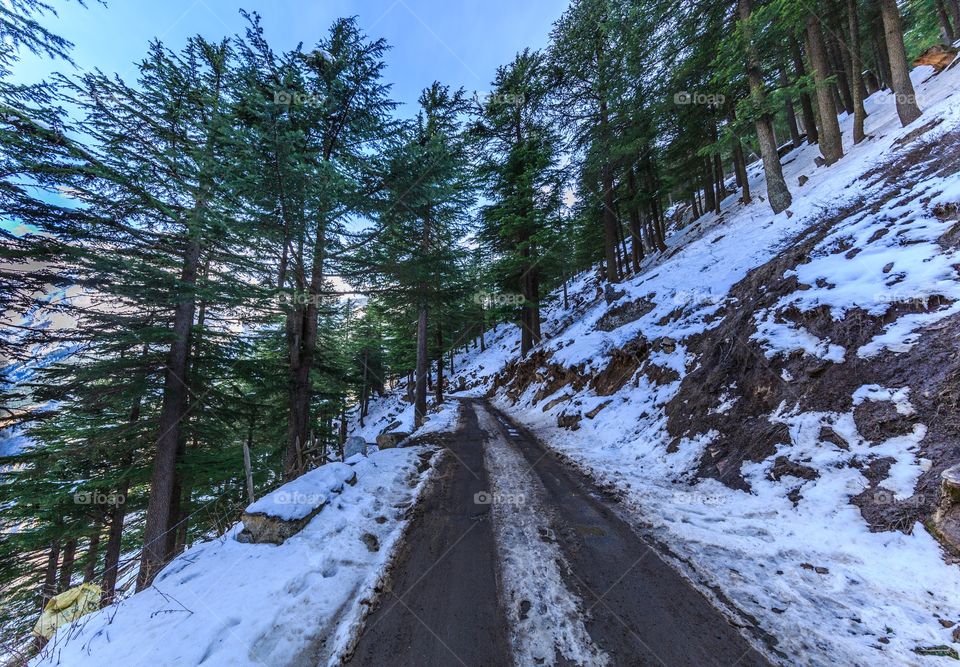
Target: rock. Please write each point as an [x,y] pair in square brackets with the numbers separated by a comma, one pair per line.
[946,519]
[369,539]
[354,445]
[392,426]
[557,400]
[827,434]
[263,529]
[593,413]
[285,511]
[819,161]
[803,179]
[783,467]
[946,623]
[391,440]
[956,635]
[625,313]
[610,294]
[571,422]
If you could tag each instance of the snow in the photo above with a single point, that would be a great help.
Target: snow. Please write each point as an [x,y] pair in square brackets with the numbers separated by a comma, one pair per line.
[530,565]
[298,499]
[223,602]
[810,572]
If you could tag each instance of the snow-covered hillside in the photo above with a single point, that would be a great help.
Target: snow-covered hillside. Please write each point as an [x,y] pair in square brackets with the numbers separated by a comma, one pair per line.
[225,602]
[767,396]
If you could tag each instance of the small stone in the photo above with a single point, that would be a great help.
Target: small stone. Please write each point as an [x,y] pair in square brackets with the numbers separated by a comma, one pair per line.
[802,180]
[369,539]
[945,623]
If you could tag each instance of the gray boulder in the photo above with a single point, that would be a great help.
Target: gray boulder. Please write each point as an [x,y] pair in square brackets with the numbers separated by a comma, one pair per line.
[354,445]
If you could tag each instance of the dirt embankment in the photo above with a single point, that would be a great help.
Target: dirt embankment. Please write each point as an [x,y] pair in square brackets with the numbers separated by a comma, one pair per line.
[728,362]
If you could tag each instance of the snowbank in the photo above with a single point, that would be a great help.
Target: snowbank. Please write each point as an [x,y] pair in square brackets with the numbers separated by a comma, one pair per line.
[223,602]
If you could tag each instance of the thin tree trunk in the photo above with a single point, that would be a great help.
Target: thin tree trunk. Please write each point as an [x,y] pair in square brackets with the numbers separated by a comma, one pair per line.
[777,193]
[439,385]
[247,469]
[791,113]
[856,68]
[163,481]
[93,552]
[880,51]
[636,245]
[945,27]
[843,82]
[953,8]
[420,399]
[831,143]
[739,160]
[806,104]
[904,94]
[66,568]
[49,589]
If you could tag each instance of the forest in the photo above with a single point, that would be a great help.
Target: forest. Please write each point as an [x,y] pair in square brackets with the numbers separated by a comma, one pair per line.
[234,253]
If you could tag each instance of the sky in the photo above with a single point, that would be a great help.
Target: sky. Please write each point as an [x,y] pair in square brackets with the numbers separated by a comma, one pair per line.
[456,42]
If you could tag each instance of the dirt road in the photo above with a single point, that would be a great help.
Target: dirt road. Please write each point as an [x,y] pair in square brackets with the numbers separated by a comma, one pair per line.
[515,558]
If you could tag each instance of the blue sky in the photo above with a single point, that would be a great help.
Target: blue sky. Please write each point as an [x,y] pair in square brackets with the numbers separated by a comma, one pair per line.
[457,42]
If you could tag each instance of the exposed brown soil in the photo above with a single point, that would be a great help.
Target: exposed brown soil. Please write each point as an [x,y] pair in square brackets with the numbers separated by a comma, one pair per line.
[729,363]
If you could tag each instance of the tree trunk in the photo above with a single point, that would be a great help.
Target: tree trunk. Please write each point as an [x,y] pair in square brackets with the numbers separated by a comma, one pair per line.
[777,192]
[953,9]
[439,385]
[66,568]
[860,114]
[111,556]
[903,91]
[609,225]
[247,469]
[806,104]
[163,480]
[706,180]
[880,52]
[636,242]
[945,27]
[831,142]
[420,398]
[739,160]
[93,552]
[791,113]
[50,574]
[843,82]
[302,327]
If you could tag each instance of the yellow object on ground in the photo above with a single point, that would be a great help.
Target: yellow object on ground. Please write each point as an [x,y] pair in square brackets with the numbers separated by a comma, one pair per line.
[66,607]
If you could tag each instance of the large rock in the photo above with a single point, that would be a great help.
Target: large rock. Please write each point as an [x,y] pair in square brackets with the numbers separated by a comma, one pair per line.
[391,440]
[285,511]
[354,445]
[947,517]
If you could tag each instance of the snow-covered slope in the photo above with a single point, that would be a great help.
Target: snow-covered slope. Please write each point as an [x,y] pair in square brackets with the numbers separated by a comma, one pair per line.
[224,602]
[767,395]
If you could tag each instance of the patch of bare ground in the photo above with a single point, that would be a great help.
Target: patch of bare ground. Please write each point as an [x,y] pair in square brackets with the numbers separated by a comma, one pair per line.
[931,368]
